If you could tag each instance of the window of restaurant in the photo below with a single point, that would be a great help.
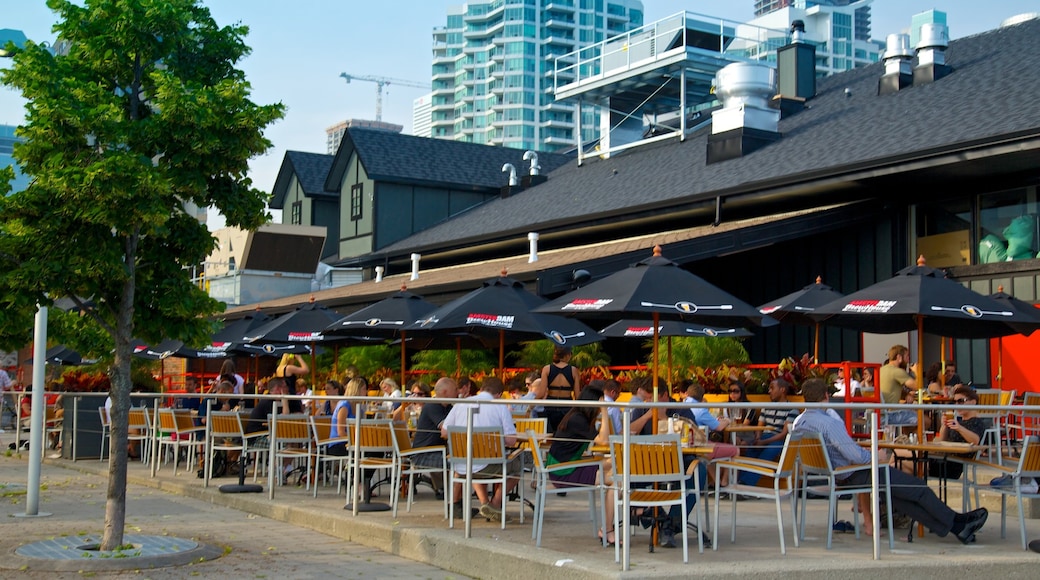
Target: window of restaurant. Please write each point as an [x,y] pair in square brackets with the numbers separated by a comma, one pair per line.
[1001,226]
[355,201]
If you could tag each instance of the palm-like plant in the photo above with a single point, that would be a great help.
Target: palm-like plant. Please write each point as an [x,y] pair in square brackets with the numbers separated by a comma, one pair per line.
[692,352]
[446,362]
[369,359]
[536,354]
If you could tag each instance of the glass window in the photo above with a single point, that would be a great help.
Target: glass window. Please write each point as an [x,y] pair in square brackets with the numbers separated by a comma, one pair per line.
[296,215]
[356,199]
[944,232]
[1008,225]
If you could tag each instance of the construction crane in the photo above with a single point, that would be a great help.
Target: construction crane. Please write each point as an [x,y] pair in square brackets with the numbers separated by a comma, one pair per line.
[380,83]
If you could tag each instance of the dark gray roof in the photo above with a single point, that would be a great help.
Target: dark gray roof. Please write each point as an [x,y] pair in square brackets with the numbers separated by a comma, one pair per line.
[310,169]
[991,96]
[393,157]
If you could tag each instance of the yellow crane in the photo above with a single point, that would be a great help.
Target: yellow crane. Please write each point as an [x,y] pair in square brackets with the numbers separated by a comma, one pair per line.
[380,83]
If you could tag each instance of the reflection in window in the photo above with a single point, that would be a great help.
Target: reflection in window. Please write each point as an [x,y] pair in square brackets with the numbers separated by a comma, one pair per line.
[296,215]
[1008,227]
[944,232]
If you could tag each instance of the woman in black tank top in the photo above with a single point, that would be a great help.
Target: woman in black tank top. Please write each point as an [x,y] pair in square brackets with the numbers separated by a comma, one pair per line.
[563,381]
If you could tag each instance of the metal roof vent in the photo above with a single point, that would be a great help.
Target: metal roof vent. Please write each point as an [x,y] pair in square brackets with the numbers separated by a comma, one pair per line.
[931,54]
[746,121]
[1019,19]
[898,71]
[797,32]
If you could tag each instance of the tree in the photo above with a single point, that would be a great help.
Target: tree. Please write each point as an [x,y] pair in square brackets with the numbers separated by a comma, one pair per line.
[145,112]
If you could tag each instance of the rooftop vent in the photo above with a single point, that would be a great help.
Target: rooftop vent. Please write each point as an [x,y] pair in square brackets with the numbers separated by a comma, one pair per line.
[746,121]
[898,72]
[931,54]
[1019,19]
[796,66]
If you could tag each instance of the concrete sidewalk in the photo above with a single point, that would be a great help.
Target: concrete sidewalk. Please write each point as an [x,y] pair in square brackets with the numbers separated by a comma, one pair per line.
[290,543]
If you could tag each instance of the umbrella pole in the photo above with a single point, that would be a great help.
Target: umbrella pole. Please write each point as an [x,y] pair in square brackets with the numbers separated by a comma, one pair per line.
[816,346]
[653,369]
[920,377]
[670,375]
[403,359]
[1000,362]
[502,355]
[335,361]
[314,366]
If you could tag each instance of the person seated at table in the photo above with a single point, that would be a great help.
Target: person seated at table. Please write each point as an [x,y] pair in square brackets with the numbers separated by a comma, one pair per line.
[644,393]
[745,416]
[842,389]
[277,387]
[333,388]
[417,390]
[428,433]
[343,411]
[703,417]
[577,430]
[536,391]
[392,392]
[193,403]
[611,392]
[488,416]
[931,378]
[965,426]
[910,495]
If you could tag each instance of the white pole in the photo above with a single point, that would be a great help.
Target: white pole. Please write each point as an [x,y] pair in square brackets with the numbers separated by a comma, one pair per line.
[36,430]
[415,266]
[532,238]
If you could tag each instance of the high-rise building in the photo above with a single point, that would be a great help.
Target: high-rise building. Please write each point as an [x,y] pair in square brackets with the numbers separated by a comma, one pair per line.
[493,69]
[840,29]
[334,134]
[421,115]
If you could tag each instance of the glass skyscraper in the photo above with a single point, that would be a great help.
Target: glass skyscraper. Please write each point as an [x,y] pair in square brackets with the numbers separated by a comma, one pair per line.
[493,67]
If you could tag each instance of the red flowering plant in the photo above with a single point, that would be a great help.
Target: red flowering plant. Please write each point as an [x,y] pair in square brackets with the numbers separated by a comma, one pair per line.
[798,371]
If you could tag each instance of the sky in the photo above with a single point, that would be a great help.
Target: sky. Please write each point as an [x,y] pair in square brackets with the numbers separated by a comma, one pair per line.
[300,48]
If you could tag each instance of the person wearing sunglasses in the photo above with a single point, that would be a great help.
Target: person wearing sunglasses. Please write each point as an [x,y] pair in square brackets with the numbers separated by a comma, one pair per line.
[965,426]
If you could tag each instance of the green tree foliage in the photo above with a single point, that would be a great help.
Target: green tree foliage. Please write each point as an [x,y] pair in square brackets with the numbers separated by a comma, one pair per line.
[446,362]
[690,352]
[369,359]
[144,112]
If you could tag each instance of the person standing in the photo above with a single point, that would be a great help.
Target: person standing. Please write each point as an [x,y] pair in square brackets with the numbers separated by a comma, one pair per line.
[563,383]
[227,372]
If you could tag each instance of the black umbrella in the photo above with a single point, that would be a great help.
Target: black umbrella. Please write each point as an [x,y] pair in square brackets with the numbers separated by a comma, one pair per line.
[1019,307]
[304,326]
[923,299]
[643,329]
[501,309]
[797,306]
[386,318]
[62,355]
[656,289]
[163,350]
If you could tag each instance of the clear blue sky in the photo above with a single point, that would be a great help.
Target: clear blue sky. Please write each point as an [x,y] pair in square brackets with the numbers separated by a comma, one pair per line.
[300,48]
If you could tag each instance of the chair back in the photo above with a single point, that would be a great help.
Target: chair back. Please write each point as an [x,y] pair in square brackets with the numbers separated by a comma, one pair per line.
[291,428]
[224,424]
[376,435]
[402,442]
[488,446]
[183,421]
[537,426]
[137,418]
[321,427]
[538,463]
[104,417]
[1030,418]
[167,422]
[1029,463]
[652,458]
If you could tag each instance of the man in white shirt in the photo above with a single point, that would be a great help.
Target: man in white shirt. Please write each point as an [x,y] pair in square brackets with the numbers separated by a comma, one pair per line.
[487,416]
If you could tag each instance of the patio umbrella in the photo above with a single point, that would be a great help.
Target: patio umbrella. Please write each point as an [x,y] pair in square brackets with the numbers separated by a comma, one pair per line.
[500,310]
[61,355]
[1020,307]
[385,319]
[304,326]
[797,306]
[656,289]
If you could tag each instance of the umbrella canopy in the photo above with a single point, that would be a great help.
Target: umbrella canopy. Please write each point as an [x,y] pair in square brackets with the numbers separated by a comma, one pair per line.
[304,325]
[924,299]
[1019,307]
[656,286]
[643,329]
[501,310]
[164,349]
[387,319]
[62,355]
[797,306]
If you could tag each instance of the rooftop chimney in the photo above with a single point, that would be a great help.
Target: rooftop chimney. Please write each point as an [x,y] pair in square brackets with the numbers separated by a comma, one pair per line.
[898,73]
[931,54]
[746,121]
[795,71]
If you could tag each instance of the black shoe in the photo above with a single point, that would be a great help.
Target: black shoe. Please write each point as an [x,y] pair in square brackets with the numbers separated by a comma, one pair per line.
[459,514]
[667,538]
[438,494]
[976,519]
[704,535]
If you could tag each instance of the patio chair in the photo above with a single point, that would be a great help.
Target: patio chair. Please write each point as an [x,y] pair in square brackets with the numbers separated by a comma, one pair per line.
[139,429]
[994,435]
[375,445]
[404,465]
[177,431]
[653,468]
[1027,467]
[529,446]
[483,446]
[106,427]
[545,487]
[321,430]
[1027,419]
[224,432]
[781,472]
[290,438]
[814,462]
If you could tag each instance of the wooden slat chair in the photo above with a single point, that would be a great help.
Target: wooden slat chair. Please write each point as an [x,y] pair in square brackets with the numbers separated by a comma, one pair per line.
[321,430]
[528,446]
[53,423]
[139,428]
[177,430]
[780,472]
[404,465]
[994,435]
[486,447]
[653,465]
[290,438]
[1027,419]
[224,432]
[1027,467]
[814,463]
[545,487]
[106,427]
[375,443]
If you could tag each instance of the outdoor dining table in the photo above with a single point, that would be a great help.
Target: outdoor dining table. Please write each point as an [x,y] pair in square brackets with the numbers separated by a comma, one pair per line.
[920,452]
[734,429]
